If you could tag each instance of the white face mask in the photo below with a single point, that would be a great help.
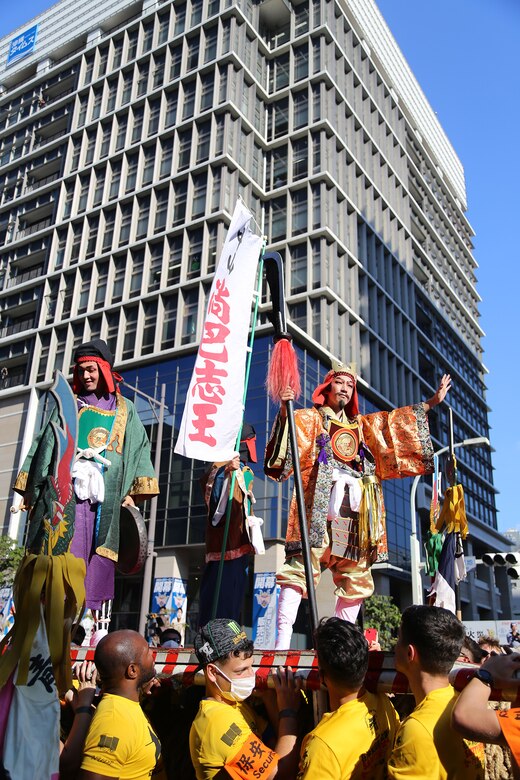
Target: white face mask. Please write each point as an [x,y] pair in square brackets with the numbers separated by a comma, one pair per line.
[241,687]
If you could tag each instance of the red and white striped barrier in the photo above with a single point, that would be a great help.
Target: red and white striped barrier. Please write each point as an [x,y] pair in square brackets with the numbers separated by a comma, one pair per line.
[381,677]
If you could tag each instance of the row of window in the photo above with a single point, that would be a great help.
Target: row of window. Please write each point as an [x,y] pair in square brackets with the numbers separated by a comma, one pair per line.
[149,34]
[134,82]
[145,165]
[138,218]
[160,264]
[150,326]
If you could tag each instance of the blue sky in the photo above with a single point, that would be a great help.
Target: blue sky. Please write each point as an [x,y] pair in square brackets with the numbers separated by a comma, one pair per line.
[466,56]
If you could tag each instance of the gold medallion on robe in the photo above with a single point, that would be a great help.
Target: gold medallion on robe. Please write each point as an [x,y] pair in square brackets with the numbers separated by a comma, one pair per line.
[344,440]
[98,437]
[94,427]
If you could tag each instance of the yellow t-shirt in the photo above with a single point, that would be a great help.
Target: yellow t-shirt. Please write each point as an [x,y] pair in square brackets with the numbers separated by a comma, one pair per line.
[427,748]
[355,741]
[227,735]
[120,741]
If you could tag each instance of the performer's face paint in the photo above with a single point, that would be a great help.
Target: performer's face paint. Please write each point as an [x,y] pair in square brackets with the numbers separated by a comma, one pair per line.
[340,393]
[89,376]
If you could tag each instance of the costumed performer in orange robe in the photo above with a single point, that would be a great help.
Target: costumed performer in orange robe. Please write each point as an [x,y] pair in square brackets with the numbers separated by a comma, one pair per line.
[343,458]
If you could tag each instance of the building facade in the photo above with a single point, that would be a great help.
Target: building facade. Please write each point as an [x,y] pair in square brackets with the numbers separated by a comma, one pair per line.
[127,132]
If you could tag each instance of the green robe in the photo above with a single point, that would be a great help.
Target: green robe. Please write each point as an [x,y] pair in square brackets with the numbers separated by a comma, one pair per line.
[130,473]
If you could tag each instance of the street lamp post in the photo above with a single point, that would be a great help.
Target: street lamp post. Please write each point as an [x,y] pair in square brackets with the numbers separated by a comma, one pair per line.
[415,550]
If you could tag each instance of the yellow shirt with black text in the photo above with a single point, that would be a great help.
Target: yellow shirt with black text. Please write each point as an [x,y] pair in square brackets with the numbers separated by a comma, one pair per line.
[120,741]
[427,748]
[354,741]
[227,735]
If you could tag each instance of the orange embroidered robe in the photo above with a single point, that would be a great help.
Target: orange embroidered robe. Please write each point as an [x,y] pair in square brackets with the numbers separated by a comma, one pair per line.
[398,444]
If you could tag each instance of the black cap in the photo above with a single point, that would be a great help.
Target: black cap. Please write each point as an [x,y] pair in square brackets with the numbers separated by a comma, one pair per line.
[95,348]
[217,639]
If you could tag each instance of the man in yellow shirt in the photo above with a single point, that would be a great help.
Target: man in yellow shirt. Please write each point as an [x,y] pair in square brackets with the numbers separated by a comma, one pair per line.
[427,748]
[355,739]
[226,736]
[120,742]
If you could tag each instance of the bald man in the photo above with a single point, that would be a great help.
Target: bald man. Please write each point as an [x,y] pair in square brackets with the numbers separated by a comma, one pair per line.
[120,742]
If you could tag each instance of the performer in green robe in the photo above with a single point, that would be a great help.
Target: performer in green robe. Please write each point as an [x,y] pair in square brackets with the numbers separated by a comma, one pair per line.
[112,468]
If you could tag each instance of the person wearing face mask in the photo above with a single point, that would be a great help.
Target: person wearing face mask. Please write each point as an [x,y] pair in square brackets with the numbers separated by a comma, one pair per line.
[344,456]
[226,738]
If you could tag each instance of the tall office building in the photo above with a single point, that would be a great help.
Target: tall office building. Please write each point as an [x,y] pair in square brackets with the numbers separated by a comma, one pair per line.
[128,130]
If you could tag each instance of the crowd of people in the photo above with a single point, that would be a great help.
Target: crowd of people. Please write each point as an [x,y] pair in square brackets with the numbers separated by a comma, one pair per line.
[240,731]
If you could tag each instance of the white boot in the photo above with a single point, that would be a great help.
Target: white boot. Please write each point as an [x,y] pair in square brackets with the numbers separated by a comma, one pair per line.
[347,609]
[288,604]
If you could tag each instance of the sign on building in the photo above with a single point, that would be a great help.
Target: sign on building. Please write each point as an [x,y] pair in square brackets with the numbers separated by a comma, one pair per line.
[22,45]
[503,630]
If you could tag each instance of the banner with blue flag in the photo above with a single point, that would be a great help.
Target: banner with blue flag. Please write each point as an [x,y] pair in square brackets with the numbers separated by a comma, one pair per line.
[451,571]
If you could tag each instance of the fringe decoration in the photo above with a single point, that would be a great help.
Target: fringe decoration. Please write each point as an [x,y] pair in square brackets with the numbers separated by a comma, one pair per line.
[453,512]
[283,371]
[58,583]
[371,515]
[435,507]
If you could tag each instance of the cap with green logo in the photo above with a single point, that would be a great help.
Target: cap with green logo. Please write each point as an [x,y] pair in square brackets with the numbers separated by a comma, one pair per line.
[217,639]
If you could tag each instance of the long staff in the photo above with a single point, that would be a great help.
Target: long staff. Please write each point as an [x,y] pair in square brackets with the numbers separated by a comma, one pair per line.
[274,276]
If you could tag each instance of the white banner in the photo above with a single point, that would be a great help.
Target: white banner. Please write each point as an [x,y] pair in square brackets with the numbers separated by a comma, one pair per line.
[214,403]
[497,629]
[31,746]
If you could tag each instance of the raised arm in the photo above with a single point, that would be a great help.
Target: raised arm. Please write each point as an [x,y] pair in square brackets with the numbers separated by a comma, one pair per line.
[440,395]
[82,704]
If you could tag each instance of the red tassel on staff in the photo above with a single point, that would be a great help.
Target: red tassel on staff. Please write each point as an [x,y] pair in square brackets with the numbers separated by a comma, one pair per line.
[283,370]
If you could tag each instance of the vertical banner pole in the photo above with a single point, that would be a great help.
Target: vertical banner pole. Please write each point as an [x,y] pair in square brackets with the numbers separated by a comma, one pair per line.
[220,572]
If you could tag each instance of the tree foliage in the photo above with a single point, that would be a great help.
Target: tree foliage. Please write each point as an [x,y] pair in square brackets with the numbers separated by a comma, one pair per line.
[382,614]
[10,556]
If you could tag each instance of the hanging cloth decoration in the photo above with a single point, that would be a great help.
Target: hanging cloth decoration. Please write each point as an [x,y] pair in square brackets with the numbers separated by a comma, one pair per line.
[453,512]
[57,582]
[433,549]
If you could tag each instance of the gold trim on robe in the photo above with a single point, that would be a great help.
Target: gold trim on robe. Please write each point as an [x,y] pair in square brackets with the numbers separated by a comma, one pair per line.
[144,486]
[21,482]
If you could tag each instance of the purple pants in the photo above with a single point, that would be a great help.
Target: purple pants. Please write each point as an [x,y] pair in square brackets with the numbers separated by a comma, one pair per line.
[99,581]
